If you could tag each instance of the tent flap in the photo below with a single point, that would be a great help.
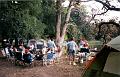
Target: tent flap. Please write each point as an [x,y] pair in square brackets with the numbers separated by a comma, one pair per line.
[113,63]
[115,43]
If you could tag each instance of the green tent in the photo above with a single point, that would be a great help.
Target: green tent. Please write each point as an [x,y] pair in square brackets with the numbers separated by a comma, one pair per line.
[106,62]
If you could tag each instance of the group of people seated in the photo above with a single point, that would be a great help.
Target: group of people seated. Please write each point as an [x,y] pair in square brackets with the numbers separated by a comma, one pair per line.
[25,54]
[21,54]
[49,53]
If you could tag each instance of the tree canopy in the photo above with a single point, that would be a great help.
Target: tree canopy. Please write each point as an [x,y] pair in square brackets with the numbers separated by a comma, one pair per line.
[27,19]
[20,19]
[40,18]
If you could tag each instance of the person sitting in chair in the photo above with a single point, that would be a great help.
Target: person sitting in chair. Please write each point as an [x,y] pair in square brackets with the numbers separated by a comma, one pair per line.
[27,57]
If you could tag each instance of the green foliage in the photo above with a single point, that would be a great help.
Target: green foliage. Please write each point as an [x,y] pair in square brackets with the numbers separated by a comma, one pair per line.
[49,16]
[33,26]
[73,31]
[78,17]
[21,19]
[37,18]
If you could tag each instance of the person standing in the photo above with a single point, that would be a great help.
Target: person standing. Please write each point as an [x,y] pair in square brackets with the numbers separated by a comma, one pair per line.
[51,50]
[84,50]
[51,44]
[72,47]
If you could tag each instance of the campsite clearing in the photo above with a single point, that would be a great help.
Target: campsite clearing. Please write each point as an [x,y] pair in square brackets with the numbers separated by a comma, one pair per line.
[57,70]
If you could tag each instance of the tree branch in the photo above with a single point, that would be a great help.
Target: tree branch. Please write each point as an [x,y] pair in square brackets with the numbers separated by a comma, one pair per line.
[108,6]
[93,16]
[105,23]
[111,22]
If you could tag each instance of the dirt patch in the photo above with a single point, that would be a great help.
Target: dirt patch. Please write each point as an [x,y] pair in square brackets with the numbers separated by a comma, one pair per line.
[61,69]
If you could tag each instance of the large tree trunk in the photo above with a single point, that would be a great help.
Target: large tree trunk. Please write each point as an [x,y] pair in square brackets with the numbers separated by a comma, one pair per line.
[60,36]
[58,4]
[66,21]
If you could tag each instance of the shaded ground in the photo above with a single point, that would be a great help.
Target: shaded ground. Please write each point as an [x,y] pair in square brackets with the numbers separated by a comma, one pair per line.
[61,69]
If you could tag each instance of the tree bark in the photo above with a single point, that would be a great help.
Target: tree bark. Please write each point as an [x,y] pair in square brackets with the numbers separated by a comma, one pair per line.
[60,36]
[61,33]
[58,4]
[66,22]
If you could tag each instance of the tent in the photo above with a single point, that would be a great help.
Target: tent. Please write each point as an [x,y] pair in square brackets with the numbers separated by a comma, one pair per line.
[107,62]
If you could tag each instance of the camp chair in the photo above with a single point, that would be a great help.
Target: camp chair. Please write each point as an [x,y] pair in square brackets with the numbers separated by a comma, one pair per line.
[27,58]
[18,58]
[38,58]
[83,54]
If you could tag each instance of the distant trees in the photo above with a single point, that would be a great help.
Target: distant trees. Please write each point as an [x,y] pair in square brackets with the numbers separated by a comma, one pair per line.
[102,30]
[27,19]
[20,19]
[78,17]
[110,29]
[107,30]
[40,18]
[75,16]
